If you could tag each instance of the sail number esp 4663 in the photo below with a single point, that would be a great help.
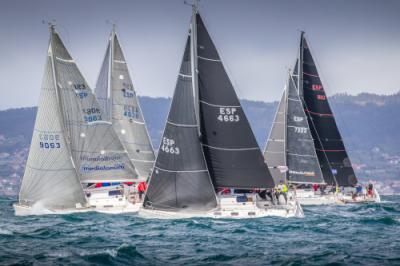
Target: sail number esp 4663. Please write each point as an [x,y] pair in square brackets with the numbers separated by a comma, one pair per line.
[228,114]
[169,146]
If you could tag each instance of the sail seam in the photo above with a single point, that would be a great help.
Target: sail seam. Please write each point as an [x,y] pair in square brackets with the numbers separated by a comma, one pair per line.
[180,125]
[65,60]
[226,149]
[209,59]
[185,76]
[302,155]
[217,105]
[144,161]
[181,171]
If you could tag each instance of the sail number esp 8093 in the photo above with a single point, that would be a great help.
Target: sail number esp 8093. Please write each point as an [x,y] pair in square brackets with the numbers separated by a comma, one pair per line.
[169,146]
[228,114]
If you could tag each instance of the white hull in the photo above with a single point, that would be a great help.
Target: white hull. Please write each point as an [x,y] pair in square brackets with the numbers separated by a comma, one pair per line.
[98,199]
[362,198]
[228,208]
[309,197]
[23,210]
[113,200]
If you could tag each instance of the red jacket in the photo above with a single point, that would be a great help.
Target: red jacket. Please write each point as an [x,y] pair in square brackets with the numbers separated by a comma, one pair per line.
[142,187]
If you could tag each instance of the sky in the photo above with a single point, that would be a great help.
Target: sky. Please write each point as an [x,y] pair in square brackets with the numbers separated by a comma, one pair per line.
[355,43]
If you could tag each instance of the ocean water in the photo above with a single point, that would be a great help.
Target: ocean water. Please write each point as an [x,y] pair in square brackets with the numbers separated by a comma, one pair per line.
[337,235]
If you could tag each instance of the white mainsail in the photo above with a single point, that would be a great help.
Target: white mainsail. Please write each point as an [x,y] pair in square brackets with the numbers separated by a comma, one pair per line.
[96,149]
[119,101]
[50,176]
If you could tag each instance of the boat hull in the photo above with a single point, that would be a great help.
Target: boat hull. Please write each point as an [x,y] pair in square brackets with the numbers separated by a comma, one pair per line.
[362,198]
[309,197]
[24,210]
[229,208]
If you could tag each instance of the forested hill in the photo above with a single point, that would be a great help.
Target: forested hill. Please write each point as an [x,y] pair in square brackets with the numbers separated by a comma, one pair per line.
[367,121]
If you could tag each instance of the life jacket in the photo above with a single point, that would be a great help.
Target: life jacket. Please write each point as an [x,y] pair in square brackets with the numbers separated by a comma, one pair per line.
[284,188]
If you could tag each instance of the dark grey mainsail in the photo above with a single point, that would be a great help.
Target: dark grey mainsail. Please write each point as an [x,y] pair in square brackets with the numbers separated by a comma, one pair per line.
[119,101]
[180,179]
[335,163]
[301,159]
[233,156]
[274,154]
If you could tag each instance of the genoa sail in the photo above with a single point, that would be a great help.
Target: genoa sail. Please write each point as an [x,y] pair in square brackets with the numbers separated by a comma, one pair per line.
[180,179]
[334,161]
[50,177]
[275,154]
[232,153]
[119,101]
[96,150]
[301,157]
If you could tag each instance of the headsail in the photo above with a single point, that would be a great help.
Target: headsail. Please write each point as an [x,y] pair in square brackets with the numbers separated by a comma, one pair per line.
[50,177]
[233,156]
[302,159]
[180,179]
[96,149]
[275,150]
[335,163]
[115,90]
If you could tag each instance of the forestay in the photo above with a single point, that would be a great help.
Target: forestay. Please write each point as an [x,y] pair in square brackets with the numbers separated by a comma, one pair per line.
[180,179]
[233,156]
[335,163]
[50,178]
[96,149]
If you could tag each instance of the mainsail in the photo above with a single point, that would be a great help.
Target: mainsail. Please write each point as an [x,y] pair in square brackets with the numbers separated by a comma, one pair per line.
[118,99]
[290,145]
[50,176]
[96,149]
[334,161]
[233,156]
[180,179]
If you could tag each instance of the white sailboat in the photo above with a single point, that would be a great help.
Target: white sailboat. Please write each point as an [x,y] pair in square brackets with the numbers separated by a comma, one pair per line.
[71,146]
[208,147]
[118,99]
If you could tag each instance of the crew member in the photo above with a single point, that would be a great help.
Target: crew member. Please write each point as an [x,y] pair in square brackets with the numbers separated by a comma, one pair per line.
[141,189]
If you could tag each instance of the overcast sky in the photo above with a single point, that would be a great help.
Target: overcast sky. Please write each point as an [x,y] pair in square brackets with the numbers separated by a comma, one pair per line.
[356,44]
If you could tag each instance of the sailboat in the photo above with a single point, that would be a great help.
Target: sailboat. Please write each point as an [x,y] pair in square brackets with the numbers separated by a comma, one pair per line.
[330,159]
[72,146]
[208,150]
[118,99]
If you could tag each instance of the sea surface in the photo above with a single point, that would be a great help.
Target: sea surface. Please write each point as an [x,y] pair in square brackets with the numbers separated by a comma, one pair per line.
[337,235]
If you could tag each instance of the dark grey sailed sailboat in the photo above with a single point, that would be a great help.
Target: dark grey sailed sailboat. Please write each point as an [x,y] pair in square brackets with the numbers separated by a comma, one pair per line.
[306,138]
[118,99]
[207,145]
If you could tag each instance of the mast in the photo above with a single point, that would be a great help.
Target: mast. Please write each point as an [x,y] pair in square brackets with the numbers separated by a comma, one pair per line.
[300,67]
[285,115]
[110,74]
[194,66]
[59,101]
